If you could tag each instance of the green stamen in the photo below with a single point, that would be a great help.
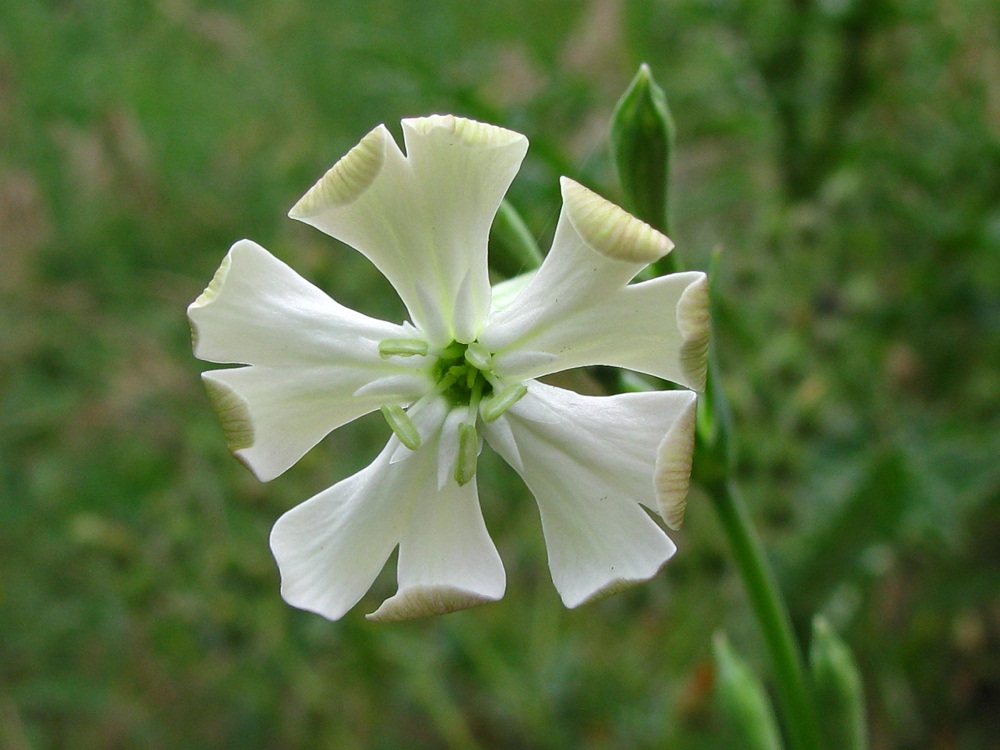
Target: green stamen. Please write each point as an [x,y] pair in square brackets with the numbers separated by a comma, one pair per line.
[468,453]
[402,348]
[402,426]
[477,394]
[502,401]
[454,350]
[479,356]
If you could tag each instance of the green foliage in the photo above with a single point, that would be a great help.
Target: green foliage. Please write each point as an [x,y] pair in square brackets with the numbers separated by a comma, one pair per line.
[842,155]
[513,248]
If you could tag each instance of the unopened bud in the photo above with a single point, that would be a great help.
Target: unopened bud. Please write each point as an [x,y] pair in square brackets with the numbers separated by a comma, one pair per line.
[642,142]
[742,699]
[838,689]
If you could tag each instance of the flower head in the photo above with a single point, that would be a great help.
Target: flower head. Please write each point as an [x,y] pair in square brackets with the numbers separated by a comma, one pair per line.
[461,371]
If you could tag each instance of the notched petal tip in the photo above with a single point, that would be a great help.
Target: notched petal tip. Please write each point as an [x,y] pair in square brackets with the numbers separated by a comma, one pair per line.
[694,322]
[347,179]
[206,298]
[466,132]
[611,230]
[616,586]
[607,590]
[215,285]
[212,291]
[424,601]
[233,413]
[672,476]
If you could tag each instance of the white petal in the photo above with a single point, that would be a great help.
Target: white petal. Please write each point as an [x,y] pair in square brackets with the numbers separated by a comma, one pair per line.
[259,311]
[673,466]
[578,309]
[645,327]
[501,438]
[273,416]
[388,387]
[467,322]
[447,560]
[311,360]
[610,230]
[431,313]
[330,548]
[424,217]
[504,292]
[589,474]
[511,362]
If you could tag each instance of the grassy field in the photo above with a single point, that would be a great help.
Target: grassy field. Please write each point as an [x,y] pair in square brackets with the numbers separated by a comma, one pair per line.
[843,156]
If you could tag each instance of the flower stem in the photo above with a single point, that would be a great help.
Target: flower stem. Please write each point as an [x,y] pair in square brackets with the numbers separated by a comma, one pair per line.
[794,696]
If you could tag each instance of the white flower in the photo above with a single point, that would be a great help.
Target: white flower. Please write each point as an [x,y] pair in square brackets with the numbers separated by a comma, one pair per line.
[462,370]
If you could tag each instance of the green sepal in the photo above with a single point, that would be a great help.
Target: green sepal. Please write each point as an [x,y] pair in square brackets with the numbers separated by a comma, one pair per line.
[838,689]
[743,701]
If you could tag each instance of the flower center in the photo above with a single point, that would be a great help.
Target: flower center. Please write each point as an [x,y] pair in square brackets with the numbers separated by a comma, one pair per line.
[465,376]
[462,374]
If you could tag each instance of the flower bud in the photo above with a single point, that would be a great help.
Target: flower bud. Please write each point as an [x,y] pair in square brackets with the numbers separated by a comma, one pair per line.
[742,700]
[642,141]
[838,689]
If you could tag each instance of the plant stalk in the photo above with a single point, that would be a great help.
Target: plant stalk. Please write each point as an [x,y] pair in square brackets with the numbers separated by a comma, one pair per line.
[794,695]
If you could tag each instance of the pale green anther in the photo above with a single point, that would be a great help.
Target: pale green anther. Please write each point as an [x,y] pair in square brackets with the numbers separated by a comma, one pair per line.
[402,348]
[479,356]
[402,426]
[454,349]
[454,375]
[502,401]
[468,453]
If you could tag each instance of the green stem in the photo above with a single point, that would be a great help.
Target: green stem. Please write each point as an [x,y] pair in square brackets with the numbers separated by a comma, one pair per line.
[794,695]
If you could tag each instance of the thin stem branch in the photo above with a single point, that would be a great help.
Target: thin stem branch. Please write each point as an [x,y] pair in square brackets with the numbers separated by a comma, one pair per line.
[794,696]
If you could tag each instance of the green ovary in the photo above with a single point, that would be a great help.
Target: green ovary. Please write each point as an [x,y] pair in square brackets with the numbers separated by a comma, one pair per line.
[458,379]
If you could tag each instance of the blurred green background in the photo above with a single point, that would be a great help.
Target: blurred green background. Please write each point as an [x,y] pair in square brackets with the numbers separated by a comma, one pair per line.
[843,155]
